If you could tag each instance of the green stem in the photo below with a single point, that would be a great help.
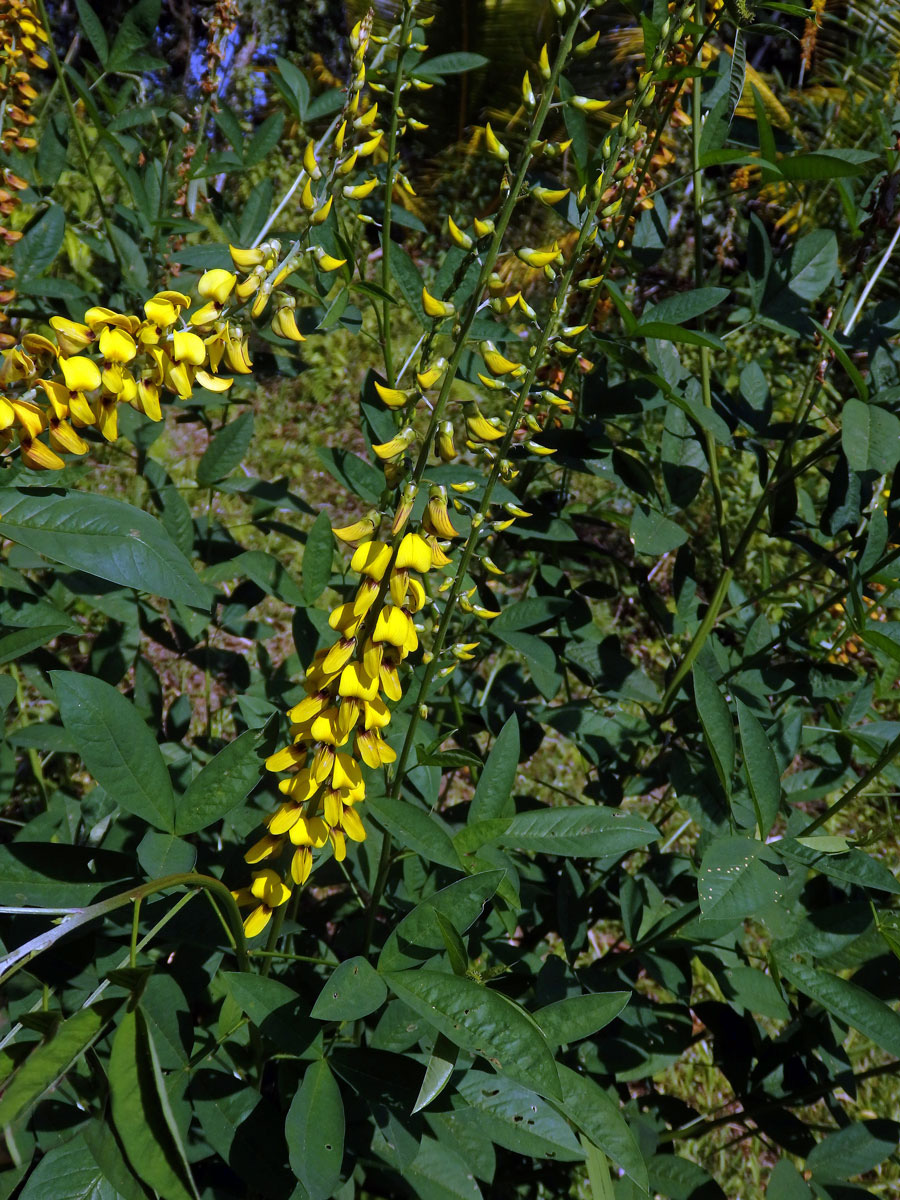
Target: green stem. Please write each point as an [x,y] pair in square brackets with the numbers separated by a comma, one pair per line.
[709,442]
[804,405]
[389,197]
[79,134]
[888,754]
[18,958]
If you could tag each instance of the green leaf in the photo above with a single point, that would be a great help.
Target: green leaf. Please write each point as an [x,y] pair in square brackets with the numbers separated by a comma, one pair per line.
[116,746]
[93,28]
[450,64]
[318,554]
[453,944]
[736,880]
[418,935]
[665,331]
[591,1110]
[718,726]
[737,73]
[164,854]
[853,1150]
[517,1118]
[652,533]
[870,437]
[437,1173]
[53,875]
[221,786]
[354,990]
[440,1066]
[314,1129]
[525,614]
[68,1172]
[141,1112]
[847,1001]
[684,306]
[481,1021]
[579,1017]
[103,537]
[134,33]
[39,246]
[226,450]
[813,264]
[49,1062]
[762,769]
[406,276]
[264,140]
[855,866]
[296,83]
[786,1183]
[826,164]
[273,1007]
[580,832]
[14,645]
[415,828]
[359,477]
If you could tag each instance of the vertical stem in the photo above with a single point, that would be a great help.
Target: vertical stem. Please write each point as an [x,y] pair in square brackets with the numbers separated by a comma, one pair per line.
[79,135]
[389,197]
[709,442]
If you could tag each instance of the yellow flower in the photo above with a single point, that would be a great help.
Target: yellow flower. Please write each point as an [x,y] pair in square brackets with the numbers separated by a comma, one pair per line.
[116,345]
[188,347]
[434,307]
[71,336]
[371,558]
[80,374]
[413,552]
[216,285]
[163,308]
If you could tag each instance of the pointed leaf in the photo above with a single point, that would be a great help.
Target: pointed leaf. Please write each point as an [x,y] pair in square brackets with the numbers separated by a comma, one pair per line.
[437,1073]
[481,1021]
[223,784]
[314,1129]
[117,746]
[718,726]
[354,990]
[494,791]
[762,769]
[579,1017]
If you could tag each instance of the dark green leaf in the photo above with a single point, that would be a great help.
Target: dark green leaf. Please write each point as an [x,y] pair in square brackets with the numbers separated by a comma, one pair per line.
[354,990]
[581,832]
[579,1017]
[49,1061]
[652,533]
[517,1118]
[221,786]
[415,828]
[117,746]
[848,1002]
[450,64]
[314,1129]
[39,246]
[494,792]
[134,33]
[853,1150]
[318,554]
[440,1066]
[53,875]
[718,726]
[163,854]
[103,537]
[418,935]
[141,1111]
[264,140]
[762,769]
[226,450]
[870,437]
[684,306]
[736,879]
[481,1021]
[592,1111]
[14,645]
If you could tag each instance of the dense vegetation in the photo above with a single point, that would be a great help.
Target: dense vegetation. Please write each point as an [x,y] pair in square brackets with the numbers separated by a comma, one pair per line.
[450,515]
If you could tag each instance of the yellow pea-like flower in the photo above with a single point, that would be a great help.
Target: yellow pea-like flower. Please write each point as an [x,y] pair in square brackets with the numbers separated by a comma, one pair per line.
[81,374]
[528,97]
[414,553]
[310,166]
[584,48]
[484,430]
[284,323]
[188,347]
[393,397]
[326,261]
[494,145]
[246,260]
[321,213]
[587,104]
[214,383]
[461,239]
[360,530]
[482,228]
[216,285]
[429,378]
[497,363]
[538,258]
[549,196]
[434,307]
[359,191]
[397,445]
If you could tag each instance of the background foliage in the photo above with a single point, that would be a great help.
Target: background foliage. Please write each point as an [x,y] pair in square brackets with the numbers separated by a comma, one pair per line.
[626,925]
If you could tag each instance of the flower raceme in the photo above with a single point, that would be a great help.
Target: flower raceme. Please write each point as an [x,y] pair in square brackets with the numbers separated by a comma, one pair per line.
[337,729]
[76,377]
